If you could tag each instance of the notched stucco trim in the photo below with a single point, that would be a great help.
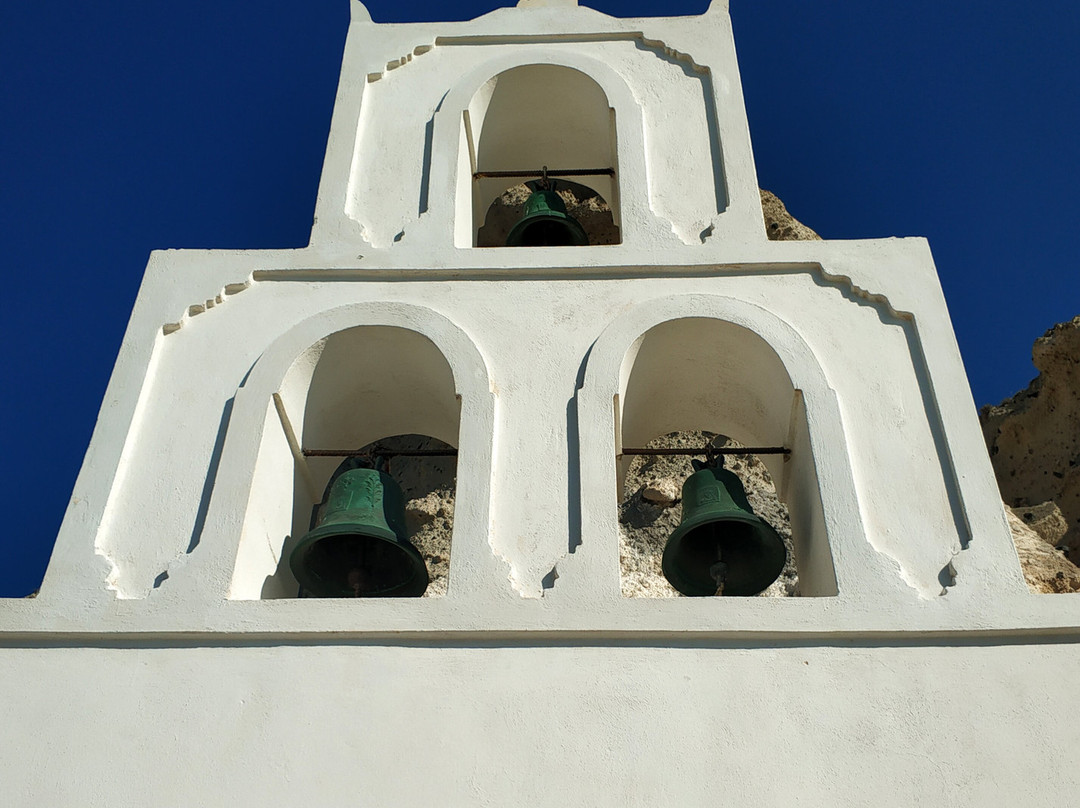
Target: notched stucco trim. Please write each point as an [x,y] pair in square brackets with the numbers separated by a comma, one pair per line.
[227,291]
[875,299]
[948,577]
[657,45]
[401,61]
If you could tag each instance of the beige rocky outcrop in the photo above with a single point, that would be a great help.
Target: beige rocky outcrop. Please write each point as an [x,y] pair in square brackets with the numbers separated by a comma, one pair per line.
[1046,570]
[1034,438]
[1046,520]
[781,225]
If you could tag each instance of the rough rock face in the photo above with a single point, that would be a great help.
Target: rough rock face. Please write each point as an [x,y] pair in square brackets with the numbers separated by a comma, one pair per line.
[584,204]
[1046,570]
[1046,520]
[1034,437]
[781,225]
[650,509]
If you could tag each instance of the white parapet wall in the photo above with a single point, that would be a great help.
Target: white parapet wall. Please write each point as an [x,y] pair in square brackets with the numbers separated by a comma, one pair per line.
[167,660]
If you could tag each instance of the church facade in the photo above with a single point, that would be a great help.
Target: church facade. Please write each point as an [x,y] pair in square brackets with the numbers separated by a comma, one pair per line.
[539,344]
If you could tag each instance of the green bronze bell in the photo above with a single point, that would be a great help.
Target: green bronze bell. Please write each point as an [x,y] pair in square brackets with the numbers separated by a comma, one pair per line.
[721,547]
[545,223]
[360,547]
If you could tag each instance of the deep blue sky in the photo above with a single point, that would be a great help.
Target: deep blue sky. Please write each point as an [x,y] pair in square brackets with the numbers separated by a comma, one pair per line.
[130,125]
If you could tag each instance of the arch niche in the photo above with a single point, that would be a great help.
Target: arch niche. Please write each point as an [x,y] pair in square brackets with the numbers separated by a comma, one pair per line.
[360,385]
[710,363]
[712,375]
[531,116]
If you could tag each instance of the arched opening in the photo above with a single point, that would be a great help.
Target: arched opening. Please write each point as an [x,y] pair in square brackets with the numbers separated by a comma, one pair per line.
[686,381]
[530,117]
[360,390]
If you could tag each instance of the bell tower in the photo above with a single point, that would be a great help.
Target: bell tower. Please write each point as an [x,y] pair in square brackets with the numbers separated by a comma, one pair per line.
[538,245]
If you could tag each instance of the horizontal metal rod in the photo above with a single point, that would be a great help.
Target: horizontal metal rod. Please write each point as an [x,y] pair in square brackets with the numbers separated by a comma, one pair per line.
[560,172]
[704,450]
[379,452]
[627,452]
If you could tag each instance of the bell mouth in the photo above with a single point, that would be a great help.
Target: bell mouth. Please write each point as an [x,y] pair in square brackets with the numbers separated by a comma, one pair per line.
[752,554]
[549,231]
[545,223]
[338,561]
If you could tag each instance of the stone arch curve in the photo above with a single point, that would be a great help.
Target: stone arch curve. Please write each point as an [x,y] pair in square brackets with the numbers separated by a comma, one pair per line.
[286,368]
[450,177]
[817,483]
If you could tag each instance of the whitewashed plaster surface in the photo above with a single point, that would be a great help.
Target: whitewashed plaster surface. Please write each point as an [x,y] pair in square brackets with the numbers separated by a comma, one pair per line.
[919,654]
[538,356]
[345,725]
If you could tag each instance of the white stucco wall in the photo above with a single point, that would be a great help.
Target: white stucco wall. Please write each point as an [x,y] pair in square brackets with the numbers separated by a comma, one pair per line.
[543,726]
[921,670]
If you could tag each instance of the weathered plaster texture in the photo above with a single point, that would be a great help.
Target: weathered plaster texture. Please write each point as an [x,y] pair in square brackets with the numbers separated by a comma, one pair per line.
[660,725]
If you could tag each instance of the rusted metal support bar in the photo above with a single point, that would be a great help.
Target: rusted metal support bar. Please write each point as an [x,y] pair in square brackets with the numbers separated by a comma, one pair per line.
[551,172]
[705,450]
[627,452]
[380,452]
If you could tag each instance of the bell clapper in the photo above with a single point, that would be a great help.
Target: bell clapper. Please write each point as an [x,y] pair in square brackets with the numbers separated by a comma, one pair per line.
[356,580]
[718,571]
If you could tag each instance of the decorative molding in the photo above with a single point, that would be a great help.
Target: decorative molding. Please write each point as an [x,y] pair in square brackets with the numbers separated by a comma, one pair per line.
[394,64]
[196,309]
[656,46]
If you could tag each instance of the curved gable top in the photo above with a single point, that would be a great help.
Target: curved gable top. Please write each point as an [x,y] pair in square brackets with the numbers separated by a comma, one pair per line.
[412,124]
